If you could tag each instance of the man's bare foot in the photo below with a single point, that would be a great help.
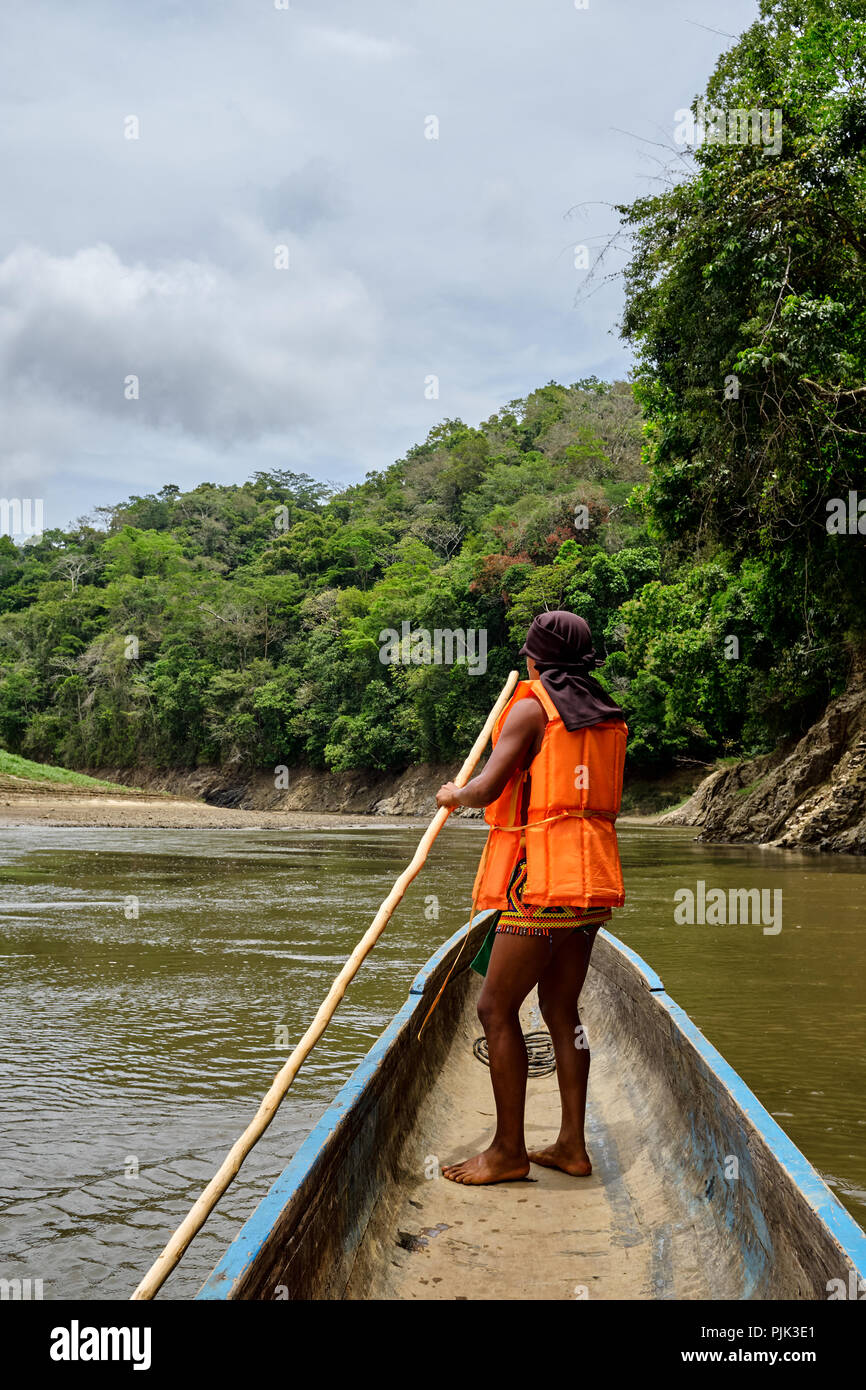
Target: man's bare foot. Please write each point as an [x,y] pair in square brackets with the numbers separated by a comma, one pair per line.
[489,1166]
[569,1159]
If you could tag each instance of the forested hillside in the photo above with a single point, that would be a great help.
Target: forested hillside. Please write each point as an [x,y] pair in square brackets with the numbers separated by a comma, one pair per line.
[688,516]
[228,620]
[189,627]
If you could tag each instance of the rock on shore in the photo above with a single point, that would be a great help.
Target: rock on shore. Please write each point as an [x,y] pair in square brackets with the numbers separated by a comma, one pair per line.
[810,795]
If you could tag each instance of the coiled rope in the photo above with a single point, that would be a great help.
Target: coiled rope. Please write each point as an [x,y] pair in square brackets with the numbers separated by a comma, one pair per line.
[539,1050]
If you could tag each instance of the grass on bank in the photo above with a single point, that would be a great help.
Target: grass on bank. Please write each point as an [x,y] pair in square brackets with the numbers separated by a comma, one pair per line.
[11,765]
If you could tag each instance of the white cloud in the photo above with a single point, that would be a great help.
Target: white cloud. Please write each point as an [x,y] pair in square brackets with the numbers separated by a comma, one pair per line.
[349,43]
[223,356]
[409,256]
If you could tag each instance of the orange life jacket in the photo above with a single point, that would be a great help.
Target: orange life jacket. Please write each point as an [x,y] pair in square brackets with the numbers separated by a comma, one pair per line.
[572,856]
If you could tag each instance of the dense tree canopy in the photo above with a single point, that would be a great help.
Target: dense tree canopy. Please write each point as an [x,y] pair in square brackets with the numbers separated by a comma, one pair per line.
[246,621]
[746,295]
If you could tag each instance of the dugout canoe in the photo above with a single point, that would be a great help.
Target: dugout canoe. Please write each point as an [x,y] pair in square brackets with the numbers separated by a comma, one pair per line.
[696,1192]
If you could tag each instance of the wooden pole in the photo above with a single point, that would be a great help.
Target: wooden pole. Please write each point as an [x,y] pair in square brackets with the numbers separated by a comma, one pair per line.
[193,1222]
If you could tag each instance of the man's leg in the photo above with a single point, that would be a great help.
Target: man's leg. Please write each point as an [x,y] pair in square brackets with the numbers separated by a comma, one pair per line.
[558,993]
[515,965]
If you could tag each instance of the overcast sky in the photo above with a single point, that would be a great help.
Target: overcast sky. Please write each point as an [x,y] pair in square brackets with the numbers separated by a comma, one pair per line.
[306,128]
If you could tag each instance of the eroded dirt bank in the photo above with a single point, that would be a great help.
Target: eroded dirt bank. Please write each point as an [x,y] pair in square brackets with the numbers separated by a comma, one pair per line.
[229,797]
[409,793]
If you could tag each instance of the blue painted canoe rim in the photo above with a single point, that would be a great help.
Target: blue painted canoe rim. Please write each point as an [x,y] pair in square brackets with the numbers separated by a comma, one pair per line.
[256,1230]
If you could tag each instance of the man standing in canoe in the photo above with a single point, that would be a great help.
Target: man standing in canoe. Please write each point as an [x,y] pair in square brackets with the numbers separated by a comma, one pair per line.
[551,867]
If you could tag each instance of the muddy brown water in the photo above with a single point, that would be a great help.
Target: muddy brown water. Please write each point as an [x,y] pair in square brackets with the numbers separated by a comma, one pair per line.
[137,1048]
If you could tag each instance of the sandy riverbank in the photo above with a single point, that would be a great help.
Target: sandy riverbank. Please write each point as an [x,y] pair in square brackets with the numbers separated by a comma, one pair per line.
[177,813]
[163,813]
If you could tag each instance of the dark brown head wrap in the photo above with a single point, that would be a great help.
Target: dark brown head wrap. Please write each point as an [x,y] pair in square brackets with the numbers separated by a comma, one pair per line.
[560,644]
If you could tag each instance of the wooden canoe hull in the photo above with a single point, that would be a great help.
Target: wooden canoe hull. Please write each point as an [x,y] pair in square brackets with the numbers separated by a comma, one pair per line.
[696,1191]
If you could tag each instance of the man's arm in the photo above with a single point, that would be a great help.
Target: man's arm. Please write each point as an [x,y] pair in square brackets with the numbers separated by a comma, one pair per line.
[520,732]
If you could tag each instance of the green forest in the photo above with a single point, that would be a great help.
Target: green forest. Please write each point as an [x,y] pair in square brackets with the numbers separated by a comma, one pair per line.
[703,516]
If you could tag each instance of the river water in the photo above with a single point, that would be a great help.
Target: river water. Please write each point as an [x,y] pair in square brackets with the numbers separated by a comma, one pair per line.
[136,1049]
